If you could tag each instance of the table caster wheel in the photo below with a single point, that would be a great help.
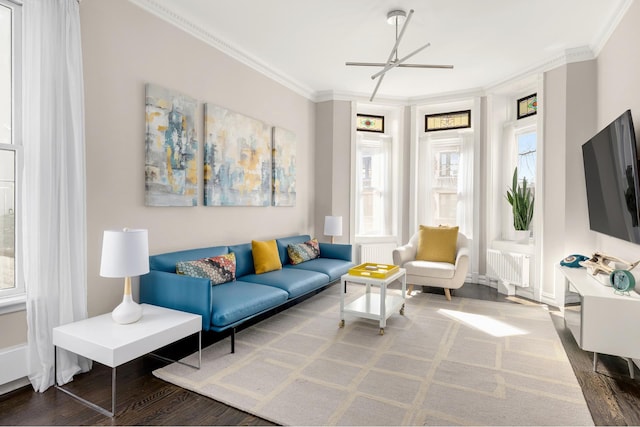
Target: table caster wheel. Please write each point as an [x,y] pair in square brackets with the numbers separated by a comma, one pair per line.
[341,324]
[381,331]
[402,310]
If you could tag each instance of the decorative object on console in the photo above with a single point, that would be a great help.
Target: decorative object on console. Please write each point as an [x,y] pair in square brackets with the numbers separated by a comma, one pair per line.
[284,167]
[622,281]
[125,253]
[573,261]
[171,146]
[332,226]
[395,17]
[522,200]
[237,159]
[606,264]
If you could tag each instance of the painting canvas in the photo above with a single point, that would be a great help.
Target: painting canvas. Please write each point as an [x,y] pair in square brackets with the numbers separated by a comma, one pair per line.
[237,159]
[284,167]
[171,170]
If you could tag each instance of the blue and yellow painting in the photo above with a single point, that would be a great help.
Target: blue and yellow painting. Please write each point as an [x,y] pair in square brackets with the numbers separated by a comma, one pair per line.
[284,167]
[237,159]
[171,142]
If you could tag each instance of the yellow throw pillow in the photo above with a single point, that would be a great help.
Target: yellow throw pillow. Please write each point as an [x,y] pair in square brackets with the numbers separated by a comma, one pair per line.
[265,256]
[437,244]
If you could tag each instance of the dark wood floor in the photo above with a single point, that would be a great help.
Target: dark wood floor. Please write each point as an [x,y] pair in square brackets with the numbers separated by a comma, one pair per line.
[613,398]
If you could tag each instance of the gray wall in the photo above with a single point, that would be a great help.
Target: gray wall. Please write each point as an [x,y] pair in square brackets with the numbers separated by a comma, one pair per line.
[125,47]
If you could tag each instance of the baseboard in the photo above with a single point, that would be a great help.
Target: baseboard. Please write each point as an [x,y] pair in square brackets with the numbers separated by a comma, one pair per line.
[14,367]
[13,385]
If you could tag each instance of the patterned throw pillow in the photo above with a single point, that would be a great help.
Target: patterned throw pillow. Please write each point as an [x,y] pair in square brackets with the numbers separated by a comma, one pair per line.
[301,252]
[220,269]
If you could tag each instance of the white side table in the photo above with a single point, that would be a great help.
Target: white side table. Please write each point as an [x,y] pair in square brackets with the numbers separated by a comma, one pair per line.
[104,341]
[374,306]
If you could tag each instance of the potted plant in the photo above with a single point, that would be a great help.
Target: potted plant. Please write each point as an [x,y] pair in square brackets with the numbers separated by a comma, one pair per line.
[521,200]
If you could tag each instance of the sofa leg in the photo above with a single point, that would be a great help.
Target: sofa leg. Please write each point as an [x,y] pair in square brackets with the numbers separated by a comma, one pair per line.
[447,293]
[233,340]
[410,289]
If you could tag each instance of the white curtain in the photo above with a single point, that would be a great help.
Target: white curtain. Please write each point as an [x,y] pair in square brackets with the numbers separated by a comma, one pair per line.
[54,207]
[464,208]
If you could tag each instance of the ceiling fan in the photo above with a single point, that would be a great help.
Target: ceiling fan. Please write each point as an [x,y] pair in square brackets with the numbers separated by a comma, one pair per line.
[395,17]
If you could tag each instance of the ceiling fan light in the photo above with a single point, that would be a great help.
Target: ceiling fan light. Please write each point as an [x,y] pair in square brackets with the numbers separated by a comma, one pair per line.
[399,15]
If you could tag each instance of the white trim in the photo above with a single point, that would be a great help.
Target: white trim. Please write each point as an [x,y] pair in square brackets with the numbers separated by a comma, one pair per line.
[234,52]
[582,53]
[601,39]
[13,303]
[14,363]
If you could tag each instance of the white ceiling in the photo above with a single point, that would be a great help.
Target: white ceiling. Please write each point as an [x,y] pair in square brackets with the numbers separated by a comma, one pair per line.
[304,44]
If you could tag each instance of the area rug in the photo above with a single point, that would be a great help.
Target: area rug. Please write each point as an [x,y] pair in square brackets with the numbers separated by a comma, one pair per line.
[463,362]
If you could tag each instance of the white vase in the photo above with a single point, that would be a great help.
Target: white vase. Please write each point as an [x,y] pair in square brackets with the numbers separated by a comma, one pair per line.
[521,236]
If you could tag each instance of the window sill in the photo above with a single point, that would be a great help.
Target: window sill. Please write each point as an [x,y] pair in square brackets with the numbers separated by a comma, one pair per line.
[13,304]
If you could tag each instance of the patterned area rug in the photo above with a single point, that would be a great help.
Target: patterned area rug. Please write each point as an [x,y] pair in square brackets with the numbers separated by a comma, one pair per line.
[464,362]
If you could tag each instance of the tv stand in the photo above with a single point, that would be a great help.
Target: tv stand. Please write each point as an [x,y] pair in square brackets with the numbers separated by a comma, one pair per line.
[600,320]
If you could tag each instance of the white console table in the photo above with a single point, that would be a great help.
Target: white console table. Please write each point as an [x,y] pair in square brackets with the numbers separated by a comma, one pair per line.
[600,320]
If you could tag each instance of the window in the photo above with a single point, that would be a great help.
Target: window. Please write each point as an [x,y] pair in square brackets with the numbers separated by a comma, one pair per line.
[446,121]
[373,185]
[369,123]
[10,147]
[439,175]
[526,142]
[527,106]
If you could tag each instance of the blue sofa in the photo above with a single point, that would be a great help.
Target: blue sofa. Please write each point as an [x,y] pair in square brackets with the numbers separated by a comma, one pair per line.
[226,306]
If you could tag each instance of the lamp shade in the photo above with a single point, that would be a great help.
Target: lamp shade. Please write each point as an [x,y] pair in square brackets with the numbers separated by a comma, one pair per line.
[333,225]
[125,253]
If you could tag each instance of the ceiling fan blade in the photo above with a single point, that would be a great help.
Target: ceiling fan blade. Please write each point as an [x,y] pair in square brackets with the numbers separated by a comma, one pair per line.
[382,64]
[376,88]
[399,61]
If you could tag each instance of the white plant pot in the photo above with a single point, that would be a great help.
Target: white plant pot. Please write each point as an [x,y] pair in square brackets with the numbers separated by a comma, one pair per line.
[521,236]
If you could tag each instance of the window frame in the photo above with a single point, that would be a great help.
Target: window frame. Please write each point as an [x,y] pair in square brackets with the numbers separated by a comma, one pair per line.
[388,191]
[13,299]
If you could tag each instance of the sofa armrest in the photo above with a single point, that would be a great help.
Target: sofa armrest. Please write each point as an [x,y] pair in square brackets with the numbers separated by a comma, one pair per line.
[404,254]
[336,251]
[178,292]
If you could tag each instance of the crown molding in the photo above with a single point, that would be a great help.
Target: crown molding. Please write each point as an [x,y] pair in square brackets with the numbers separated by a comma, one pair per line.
[245,58]
[601,39]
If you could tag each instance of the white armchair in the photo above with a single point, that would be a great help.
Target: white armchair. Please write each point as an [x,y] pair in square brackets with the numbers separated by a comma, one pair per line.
[428,273]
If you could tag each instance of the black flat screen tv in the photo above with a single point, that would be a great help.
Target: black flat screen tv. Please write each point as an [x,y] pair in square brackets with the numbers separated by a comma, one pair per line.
[611,175]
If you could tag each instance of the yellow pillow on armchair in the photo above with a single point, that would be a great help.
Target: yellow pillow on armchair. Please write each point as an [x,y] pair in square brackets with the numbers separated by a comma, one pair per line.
[437,244]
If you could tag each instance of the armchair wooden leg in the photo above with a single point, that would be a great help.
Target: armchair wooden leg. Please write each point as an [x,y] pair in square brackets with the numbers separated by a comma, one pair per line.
[447,293]
[410,289]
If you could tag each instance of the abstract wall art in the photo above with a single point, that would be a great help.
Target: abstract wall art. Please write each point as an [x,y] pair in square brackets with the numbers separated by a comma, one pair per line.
[171,143]
[237,159]
[284,167]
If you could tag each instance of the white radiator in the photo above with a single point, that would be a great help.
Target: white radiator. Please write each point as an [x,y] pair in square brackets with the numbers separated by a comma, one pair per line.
[509,267]
[381,253]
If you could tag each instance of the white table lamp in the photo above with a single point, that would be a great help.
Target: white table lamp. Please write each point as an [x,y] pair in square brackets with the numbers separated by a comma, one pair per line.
[332,226]
[125,253]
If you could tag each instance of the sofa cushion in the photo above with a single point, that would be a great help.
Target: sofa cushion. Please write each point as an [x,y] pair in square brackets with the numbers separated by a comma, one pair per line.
[244,259]
[284,243]
[437,244]
[439,270]
[295,282]
[231,302]
[334,268]
[305,251]
[219,269]
[167,262]
[265,256]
